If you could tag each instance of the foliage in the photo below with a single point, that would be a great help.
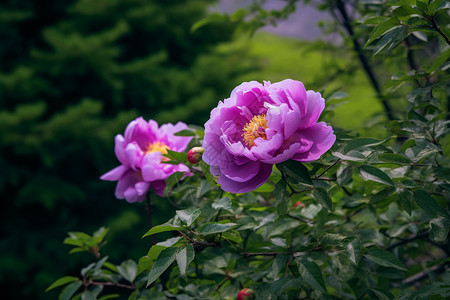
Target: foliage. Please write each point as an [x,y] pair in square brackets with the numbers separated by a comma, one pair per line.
[73,74]
[375,219]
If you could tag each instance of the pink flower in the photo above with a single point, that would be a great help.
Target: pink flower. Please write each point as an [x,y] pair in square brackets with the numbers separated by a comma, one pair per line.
[261,125]
[140,153]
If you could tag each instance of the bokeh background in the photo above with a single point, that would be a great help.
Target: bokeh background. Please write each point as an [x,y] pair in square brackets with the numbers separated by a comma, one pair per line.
[73,73]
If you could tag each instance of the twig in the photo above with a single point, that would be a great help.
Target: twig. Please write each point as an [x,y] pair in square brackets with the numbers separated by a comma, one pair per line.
[298,218]
[436,27]
[407,240]
[329,167]
[90,282]
[422,275]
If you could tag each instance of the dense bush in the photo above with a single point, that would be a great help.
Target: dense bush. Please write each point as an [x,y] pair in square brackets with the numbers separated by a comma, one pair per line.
[370,219]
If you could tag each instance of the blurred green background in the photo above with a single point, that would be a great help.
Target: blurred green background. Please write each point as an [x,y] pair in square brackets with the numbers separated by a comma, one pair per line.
[73,73]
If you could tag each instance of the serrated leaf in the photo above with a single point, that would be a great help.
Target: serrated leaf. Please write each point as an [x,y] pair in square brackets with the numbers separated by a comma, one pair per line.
[353,249]
[61,281]
[439,61]
[374,174]
[439,230]
[321,195]
[279,264]
[382,195]
[361,142]
[233,236]
[189,215]
[164,260]
[222,203]
[394,158]
[161,228]
[381,29]
[428,204]
[382,294]
[345,176]
[128,270]
[351,156]
[70,290]
[406,198]
[296,171]
[384,258]
[212,228]
[311,274]
[184,257]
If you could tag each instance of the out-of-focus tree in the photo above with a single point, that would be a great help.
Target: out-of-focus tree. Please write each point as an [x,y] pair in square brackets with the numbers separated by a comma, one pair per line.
[72,74]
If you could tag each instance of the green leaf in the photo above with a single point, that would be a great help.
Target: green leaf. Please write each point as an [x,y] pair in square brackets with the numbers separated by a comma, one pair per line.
[361,142]
[164,260]
[146,262]
[88,295]
[439,61]
[185,132]
[434,5]
[161,228]
[62,281]
[345,176]
[106,297]
[176,156]
[428,204]
[321,195]
[233,236]
[374,174]
[172,180]
[382,294]
[382,195]
[212,228]
[384,258]
[128,270]
[281,196]
[70,290]
[381,29]
[211,18]
[394,158]
[406,199]
[279,264]
[311,274]
[439,230]
[184,257]
[189,215]
[351,156]
[222,203]
[353,249]
[296,171]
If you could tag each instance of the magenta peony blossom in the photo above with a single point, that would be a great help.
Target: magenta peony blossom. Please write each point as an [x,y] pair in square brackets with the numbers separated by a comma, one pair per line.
[140,153]
[259,126]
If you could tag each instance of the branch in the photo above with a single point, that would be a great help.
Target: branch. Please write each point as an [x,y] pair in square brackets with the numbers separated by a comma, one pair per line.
[346,23]
[86,283]
[424,274]
[436,27]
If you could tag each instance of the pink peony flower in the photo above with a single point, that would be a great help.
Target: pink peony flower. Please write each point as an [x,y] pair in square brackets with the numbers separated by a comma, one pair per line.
[261,125]
[140,153]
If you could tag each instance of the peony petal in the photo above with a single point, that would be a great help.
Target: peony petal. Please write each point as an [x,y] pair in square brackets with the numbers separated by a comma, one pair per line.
[115,174]
[152,168]
[322,137]
[316,104]
[232,186]
[284,155]
[239,173]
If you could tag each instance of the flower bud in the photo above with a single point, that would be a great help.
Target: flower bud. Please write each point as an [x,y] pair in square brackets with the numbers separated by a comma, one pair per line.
[298,204]
[246,294]
[195,155]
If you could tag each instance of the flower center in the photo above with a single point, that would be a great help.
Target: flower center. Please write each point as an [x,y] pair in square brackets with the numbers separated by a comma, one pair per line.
[255,129]
[157,147]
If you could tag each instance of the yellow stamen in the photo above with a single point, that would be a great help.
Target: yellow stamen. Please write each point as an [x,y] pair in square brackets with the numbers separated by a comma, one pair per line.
[255,129]
[157,147]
